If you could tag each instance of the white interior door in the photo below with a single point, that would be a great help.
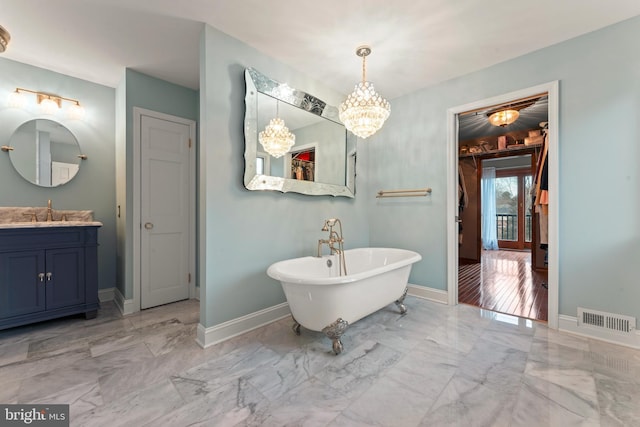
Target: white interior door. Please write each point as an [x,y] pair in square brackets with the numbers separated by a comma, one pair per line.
[164,211]
[62,172]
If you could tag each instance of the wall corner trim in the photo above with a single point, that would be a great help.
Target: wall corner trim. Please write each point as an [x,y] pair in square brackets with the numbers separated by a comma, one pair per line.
[206,337]
[569,324]
[124,305]
[431,294]
[105,295]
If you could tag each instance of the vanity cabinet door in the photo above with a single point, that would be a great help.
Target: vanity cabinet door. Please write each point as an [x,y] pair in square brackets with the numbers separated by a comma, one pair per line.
[65,277]
[22,286]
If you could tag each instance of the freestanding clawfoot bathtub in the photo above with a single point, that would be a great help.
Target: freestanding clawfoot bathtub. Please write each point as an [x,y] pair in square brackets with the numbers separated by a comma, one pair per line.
[322,300]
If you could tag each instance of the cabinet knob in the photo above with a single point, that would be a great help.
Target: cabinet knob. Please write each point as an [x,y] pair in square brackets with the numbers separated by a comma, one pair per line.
[41,277]
[49,275]
[148,225]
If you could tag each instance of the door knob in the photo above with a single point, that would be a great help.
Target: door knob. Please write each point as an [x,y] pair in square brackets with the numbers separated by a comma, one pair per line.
[148,225]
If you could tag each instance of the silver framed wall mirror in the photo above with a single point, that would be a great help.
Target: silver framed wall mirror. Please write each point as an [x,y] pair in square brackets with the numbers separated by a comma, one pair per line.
[321,162]
[45,152]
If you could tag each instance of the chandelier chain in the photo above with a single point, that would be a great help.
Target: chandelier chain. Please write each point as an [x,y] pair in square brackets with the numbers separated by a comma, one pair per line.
[364,68]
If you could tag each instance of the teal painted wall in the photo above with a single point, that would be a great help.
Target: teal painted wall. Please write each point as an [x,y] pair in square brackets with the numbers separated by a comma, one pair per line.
[94,186]
[599,135]
[242,232]
[140,90]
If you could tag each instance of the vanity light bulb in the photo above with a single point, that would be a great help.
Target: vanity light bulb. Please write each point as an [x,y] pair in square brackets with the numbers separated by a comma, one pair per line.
[48,106]
[17,100]
[76,112]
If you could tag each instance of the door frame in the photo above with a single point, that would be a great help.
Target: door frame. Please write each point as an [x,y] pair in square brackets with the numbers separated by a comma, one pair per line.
[137,180]
[552,89]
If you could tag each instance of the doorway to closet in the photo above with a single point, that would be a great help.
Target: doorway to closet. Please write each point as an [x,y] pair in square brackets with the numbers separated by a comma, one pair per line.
[501,257]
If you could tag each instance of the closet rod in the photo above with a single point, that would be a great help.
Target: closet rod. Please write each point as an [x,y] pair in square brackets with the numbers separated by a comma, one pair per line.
[404,193]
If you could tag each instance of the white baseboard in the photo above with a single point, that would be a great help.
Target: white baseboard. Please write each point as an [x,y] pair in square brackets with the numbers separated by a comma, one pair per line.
[215,334]
[105,295]
[431,294]
[124,305]
[570,324]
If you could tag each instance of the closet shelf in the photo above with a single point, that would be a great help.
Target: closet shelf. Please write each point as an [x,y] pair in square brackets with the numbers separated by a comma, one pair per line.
[514,149]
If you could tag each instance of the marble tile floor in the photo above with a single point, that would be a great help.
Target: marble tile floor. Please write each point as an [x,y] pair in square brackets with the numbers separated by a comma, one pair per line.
[434,366]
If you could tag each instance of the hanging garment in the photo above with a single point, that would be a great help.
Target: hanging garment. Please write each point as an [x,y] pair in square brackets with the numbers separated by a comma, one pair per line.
[542,192]
[463,196]
[543,220]
[463,201]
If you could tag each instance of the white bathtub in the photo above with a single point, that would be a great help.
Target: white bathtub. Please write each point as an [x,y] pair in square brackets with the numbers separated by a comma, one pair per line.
[322,300]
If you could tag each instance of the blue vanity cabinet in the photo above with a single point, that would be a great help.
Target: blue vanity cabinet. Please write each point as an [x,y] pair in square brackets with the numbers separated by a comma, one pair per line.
[47,272]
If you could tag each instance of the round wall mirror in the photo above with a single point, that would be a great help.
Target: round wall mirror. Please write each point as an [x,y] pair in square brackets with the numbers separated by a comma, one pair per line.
[45,153]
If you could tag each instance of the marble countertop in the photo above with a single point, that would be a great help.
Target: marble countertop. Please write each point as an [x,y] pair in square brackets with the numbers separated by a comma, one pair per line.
[45,224]
[20,217]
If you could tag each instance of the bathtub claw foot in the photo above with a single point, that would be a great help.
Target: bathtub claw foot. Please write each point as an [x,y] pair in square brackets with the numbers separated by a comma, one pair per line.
[400,302]
[296,326]
[337,346]
[335,331]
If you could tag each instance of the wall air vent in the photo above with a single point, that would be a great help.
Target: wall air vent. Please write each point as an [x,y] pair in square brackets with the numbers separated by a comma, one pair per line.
[606,321]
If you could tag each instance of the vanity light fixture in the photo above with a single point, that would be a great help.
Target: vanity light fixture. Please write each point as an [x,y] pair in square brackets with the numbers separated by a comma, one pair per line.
[5,37]
[276,138]
[504,117]
[364,111]
[49,104]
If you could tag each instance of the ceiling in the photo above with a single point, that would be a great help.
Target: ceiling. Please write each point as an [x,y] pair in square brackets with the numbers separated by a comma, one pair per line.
[415,43]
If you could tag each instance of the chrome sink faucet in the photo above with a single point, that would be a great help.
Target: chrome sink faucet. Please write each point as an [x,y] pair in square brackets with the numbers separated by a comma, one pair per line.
[334,237]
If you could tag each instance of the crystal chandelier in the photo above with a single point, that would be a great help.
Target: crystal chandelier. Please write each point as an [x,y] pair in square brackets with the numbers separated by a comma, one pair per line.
[364,111]
[5,37]
[504,117]
[276,138]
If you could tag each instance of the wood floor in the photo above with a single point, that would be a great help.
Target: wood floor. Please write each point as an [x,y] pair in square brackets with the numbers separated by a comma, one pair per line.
[504,282]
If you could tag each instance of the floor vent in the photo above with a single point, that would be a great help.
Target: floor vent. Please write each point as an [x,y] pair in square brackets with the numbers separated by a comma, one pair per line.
[606,321]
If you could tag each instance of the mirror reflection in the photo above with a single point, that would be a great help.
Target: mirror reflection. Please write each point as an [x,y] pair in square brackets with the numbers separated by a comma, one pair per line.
[45,153]
[322,160]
